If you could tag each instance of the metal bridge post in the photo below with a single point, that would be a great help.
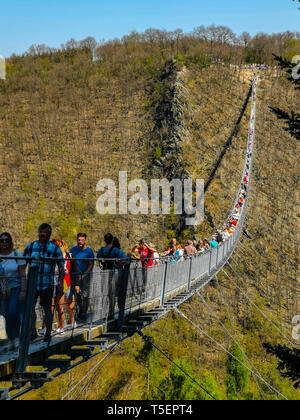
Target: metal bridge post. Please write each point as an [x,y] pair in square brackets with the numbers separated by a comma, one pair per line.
[26,328]
[163,289]
[210,257]
[190,273]
[123,294]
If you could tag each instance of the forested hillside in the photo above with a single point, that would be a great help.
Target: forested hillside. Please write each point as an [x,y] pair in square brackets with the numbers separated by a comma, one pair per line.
[68,120]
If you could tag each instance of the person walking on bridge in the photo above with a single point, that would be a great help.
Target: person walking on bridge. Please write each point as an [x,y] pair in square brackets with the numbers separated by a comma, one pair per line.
[85,264]
[190,248]
[172,244]
[175,255]
[145,253]
[111,251]
[66,294]
[15,276]
[46,272]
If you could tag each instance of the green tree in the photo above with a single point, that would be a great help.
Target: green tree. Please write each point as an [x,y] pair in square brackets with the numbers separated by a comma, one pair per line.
[237,377]
[178,386]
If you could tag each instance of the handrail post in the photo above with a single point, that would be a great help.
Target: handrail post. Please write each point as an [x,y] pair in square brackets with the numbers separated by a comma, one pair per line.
[122,295]
[26,328]
[163,288]
[190,273]
[210,257]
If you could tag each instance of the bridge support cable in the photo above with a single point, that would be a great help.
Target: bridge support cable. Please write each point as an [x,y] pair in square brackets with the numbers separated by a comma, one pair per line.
[88,383]
[266,298]
[229,141]
[147,339]
[90,371]
[268,311]
[282,306]
[277,247]
[228,352]
[232,269]
[235,339]
[251,301]
[255,275]
[285,256]
[236,335]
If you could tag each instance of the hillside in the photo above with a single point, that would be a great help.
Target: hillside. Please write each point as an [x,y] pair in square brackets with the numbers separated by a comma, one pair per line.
[67,122]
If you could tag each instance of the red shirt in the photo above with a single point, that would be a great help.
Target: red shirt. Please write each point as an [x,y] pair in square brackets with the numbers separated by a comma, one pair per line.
[67,278]
[146,253]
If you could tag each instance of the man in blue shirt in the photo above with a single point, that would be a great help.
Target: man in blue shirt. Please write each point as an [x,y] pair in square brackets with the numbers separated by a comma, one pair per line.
[46,272]
[82,253]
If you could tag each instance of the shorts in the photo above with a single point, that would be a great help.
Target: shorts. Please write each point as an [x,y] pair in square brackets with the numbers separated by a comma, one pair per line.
[45,296]
[85,287]
[70,293]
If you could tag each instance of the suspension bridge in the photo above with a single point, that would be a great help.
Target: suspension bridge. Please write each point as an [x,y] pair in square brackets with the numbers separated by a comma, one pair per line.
[122,302]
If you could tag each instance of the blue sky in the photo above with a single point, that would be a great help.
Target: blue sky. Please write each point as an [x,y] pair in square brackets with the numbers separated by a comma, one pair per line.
[53,22]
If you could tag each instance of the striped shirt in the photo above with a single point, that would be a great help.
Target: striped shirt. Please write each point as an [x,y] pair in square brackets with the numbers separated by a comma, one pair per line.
[46,271]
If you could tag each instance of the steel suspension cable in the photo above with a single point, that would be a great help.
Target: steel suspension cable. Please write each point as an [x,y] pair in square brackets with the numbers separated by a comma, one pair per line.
[90,371]
[281,325]
[228,352]
[147,339]
[236,340]
[250,300]
[235,332]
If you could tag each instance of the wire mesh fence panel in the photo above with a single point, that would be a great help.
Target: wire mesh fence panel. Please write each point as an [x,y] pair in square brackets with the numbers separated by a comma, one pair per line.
[213,261]
[136,288]
[155,277]
[220,254]
[177,275]
[103,294]
[200,266]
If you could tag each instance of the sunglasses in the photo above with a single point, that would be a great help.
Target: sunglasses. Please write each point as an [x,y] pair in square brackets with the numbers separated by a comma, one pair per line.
[2,241]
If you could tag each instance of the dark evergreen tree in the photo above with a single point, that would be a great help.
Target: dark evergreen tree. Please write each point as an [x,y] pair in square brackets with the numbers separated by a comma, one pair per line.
[293,118]
[289,364]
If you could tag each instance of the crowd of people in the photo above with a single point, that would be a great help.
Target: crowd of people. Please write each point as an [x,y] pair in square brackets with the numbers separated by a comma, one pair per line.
[64,280]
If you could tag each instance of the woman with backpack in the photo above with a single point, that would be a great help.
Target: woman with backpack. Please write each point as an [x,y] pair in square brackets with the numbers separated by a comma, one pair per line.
[111,256]
[15,280]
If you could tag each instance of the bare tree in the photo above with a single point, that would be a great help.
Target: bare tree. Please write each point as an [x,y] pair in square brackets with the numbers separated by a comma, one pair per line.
[245,38]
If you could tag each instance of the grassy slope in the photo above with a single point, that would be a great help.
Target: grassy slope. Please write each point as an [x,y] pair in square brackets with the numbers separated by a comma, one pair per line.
[64,127]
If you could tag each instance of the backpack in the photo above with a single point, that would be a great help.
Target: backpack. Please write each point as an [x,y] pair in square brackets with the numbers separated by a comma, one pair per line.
[106,265]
